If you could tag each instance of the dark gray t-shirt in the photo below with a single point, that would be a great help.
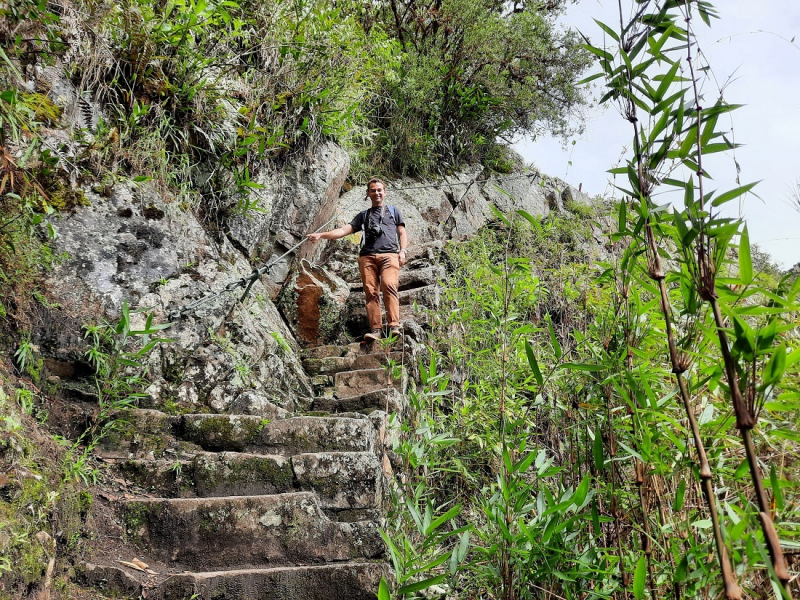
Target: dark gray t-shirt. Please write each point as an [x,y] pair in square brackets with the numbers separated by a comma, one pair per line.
[387,241]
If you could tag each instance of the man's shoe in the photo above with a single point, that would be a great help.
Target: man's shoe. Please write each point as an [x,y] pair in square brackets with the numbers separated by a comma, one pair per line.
[373,335]
[396,331]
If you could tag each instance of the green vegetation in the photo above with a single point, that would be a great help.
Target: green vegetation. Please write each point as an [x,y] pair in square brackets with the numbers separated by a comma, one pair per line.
[471,72]
[626,428]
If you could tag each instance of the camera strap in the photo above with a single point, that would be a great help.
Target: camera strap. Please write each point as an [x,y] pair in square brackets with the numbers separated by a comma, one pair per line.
[365,222]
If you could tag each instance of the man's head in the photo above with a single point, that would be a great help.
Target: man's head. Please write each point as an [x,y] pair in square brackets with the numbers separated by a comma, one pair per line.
[376,192]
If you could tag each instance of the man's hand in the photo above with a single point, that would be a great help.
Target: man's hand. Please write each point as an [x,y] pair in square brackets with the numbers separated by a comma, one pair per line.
[402,257]
[314,237]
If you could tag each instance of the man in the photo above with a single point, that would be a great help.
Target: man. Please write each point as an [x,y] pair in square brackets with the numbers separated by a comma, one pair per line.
[383,252]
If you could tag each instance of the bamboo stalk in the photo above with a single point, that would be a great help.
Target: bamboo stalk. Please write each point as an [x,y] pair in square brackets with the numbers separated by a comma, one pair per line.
[745,420]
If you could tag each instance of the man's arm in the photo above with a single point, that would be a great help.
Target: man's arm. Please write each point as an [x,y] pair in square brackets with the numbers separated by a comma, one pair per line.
[401,230]
[333,234]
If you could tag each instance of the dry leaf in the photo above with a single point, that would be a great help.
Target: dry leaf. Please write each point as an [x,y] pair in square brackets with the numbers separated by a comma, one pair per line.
[151,572]
[140,563]
[131,565]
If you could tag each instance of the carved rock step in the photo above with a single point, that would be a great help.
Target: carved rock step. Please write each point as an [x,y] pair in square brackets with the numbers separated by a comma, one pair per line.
[286,437]
[145,432]
[354,349]
[337,364]
[341,480]
[355,383]
[347,581]
[411,278]
[246,531]
[364,403]
[424,296]
[342,581]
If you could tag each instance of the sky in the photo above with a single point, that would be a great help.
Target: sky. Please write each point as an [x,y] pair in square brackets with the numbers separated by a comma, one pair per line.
[751,53]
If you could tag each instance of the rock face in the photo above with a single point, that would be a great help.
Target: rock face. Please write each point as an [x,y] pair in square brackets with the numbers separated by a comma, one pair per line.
[313,301]
[458,206]
[292,203]
[132,247]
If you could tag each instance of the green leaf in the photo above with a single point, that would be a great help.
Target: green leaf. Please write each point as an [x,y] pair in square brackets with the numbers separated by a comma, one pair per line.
[742,469]
[583,489]
[775,367]
[734,193]
[745,260]
[608,30]
[500,215]
[553,339]
[586,367]
[688,142]
[383,590]
[639,577]
[776,487]
[597,450]
[531,219]
[590,78]
[442,519]
[533,364]
[679,494]
[600,53]
[422,585]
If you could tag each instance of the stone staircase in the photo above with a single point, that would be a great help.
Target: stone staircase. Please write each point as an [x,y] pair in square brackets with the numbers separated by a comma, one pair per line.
[261,503]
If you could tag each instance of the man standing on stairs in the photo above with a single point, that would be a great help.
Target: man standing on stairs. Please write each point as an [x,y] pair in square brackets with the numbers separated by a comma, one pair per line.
[383,252]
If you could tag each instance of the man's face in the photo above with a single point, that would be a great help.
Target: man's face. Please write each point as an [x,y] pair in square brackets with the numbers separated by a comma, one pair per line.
[376,193]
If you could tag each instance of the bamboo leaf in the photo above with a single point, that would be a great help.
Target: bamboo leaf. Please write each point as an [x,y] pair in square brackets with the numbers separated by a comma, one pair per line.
[639,577]
[585,367]
[734,193]
[745,260]
[579,497]
[383,590]
[442,519]
[422,585]
[777,494]
[597,450]
[533,363]
[679,494]
[500,215]
[775,367]
[608,30]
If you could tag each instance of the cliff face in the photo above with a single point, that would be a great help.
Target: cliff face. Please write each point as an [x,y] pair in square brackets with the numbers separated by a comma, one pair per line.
[135,245]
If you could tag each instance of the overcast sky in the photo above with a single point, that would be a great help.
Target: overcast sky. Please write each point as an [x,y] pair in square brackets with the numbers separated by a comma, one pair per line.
[749,47]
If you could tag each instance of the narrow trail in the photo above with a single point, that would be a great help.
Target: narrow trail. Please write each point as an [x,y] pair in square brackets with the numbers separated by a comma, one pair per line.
[261,503]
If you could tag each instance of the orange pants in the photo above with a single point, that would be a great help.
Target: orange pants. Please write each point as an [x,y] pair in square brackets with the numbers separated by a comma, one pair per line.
[380,273]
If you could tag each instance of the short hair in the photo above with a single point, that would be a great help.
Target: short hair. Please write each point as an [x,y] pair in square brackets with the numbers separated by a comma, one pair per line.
[376,180]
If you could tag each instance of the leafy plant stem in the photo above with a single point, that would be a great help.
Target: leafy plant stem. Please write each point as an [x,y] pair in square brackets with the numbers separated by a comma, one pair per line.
[745,420]
[732,590]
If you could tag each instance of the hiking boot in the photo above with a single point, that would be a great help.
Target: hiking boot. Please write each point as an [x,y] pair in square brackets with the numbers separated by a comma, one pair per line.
[396,331]
[373,335]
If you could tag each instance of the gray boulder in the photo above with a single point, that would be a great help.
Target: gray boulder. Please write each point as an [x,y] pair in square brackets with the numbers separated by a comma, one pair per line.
[135,248]
[291,203]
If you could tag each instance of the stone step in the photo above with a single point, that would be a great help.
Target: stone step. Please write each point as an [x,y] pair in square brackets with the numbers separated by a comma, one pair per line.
[320,352]
[365,403]
[245,532]
[411,278]
[145,433]
[356,383]
[347,581]
[343,581]
[286,437]
[427,296]
[337,364]
[341,480]
[212,474]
